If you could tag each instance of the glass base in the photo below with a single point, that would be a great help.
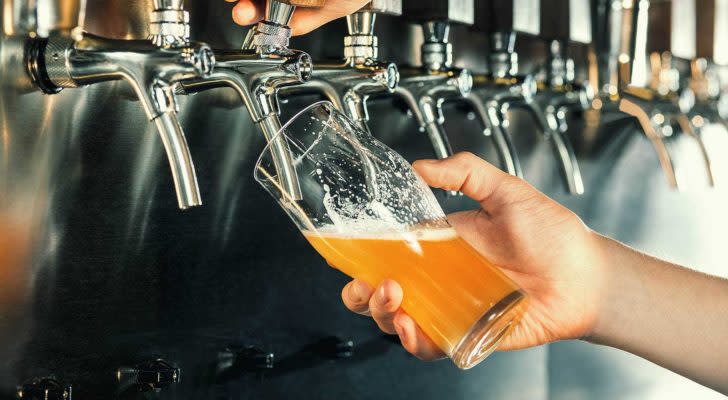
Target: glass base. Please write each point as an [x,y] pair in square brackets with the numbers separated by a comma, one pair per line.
[486,334]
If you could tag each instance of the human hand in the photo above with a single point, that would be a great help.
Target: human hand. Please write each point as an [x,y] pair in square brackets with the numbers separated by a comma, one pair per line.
[304,20]
[541,245]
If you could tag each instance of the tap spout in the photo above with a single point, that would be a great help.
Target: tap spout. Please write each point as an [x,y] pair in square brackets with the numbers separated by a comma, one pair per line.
[666,162]
[180,160]
[493,128]
[152,72]
[547,121]
[687,128]
[257,81]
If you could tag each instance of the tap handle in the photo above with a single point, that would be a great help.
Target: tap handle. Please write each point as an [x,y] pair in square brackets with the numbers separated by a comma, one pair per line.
[280,11]
[169,24]
[272,34]
[361,23]
[361,44]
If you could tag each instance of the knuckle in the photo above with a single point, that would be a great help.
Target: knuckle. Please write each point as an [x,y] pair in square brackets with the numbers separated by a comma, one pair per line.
[465,156]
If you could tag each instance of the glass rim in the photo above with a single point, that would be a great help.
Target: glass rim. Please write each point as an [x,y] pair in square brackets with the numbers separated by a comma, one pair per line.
[281,132]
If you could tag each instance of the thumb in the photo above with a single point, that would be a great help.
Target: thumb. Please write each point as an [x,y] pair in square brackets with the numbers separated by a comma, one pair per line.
[248,12]
[463,172]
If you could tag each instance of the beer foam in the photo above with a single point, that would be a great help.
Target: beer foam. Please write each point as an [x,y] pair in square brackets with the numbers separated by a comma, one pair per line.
[381,232]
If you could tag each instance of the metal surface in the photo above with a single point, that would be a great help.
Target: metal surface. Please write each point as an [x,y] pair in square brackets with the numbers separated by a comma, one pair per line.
[150,67]
[654,99]
[425,89]
[256,73]
[348,84]
[505,89]
[104,272]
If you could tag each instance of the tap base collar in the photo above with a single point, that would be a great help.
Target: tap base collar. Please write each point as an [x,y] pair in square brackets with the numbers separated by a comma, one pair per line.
[35,65]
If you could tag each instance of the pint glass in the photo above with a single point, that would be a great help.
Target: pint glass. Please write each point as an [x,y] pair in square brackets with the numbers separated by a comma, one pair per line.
[367,212]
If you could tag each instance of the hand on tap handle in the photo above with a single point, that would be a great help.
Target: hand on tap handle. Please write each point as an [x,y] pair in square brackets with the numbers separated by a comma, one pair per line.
[581,285]
[248,12]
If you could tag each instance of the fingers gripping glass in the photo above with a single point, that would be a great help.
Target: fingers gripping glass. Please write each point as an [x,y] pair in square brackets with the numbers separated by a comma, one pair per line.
[367,212]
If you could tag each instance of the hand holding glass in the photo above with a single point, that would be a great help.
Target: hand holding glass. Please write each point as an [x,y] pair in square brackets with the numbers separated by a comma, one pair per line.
[365,210]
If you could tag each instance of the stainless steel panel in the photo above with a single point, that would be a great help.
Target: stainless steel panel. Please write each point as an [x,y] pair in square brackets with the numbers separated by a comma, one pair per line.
[106,272]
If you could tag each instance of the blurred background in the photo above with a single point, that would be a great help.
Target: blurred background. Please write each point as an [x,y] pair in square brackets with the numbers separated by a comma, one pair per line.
[108,290]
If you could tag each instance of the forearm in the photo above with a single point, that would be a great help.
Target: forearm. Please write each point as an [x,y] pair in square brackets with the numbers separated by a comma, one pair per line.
[670,315]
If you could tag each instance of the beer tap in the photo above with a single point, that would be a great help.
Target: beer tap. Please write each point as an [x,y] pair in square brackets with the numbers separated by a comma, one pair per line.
[349,84]
[504,88]
[257,73]
[72,58]
[558,93]
[704,80]
[425,88]
[704,86]
[654,99]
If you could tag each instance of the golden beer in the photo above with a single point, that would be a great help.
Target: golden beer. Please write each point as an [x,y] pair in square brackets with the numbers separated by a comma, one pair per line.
[457,297]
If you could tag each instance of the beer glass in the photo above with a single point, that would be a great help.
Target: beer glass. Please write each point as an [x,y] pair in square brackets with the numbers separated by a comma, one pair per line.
[367,212]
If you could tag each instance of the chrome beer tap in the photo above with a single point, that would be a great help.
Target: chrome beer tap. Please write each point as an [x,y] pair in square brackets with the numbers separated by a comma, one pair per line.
[654,98]
[257,73]
[612,62]
[349,84]
[704,83]
[558,94]
[504,88]
[704,88]
[74,58]
[424,89]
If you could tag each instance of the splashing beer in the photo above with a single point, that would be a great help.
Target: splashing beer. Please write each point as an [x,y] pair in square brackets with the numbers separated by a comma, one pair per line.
[450,290]
[366,211]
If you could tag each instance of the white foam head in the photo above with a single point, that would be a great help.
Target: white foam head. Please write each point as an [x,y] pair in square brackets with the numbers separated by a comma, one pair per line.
[379,232]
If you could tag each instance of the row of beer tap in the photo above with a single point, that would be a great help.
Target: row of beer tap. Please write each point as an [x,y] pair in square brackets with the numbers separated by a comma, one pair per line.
[623,78]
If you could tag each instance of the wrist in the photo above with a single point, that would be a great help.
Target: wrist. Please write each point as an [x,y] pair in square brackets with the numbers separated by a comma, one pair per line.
[616,285]
[597,287]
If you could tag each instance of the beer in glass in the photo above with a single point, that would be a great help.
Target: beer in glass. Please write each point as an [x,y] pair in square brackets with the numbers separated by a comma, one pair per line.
[366,211]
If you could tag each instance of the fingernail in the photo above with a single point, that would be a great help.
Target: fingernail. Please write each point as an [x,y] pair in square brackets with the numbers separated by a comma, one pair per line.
[381,296]
[354,293]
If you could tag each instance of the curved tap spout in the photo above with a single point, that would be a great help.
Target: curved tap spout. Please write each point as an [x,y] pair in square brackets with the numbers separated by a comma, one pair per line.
[62,62]
[547,122]
[349,84]
[258,72]
[493,128]
[666,162]
[257,81]
[349,87]
[424,91]
[686,127]
[513,92]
